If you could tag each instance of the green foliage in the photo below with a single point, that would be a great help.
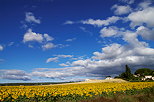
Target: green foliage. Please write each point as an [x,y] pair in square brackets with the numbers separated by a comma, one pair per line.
[141,73]
[127,75]
[144,95]
[144,71]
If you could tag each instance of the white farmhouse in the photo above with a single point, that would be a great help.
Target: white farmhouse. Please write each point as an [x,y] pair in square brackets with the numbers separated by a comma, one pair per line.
[148,77]
[109,77]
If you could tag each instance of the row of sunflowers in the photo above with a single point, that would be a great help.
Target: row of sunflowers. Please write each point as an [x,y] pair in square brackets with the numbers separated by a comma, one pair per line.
[14,93]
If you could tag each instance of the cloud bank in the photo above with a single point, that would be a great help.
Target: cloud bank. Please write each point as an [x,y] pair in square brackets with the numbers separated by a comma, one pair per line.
[1,47]
[31,18]
[112,58]
[14,75]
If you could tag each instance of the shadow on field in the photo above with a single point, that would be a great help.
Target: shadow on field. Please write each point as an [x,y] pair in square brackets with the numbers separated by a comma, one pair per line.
[123,98]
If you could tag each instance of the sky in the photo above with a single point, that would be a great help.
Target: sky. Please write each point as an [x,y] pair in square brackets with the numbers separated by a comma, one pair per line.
[73,40]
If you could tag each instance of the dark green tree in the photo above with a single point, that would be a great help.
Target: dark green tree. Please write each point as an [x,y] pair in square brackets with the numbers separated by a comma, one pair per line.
[127,75]
[153,73]
[143,71]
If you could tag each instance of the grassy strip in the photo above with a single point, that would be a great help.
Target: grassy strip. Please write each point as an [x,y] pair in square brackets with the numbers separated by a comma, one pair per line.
[144,95]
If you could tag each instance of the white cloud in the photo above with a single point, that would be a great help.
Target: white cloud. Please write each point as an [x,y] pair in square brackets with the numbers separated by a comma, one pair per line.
[120,10]
[64,56]
[62,45]
[100,23]
[127,1]
[70,40]
[79,58]
[109,52]
[54,59]
[11,43]
[48,46]
[60,73]
[112,58]
[63,65]
[86,31]
[31,18]
[57,57]
[30,36]
[30,46]
[132,40]
[110,61]
[48,38]
[142,17]
[82,63]
[108,32]
[14,75]
[69,22]
[43,39]
[146,33]
[144,4]
[1,47]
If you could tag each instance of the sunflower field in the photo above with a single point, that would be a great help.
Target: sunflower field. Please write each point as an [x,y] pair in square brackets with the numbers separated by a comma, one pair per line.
[68,92]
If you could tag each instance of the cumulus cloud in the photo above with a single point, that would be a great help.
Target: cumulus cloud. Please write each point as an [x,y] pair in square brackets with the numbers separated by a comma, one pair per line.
[63,65]
[64,56]
[146,18]
[100,23]
[109,52]
[120,10]
[108,31]
[113,57]
[132,40]
[48,38]
[62,45]
[57,57]
[97,22]
[83,63]
[146,33]
[144,4]
[85,30]
[110,61]
[54,59]
[11,43]
[116,51]
[70,40]
[48,46]
[127,1]
[69,22]
[14,75]
[32,36]
[44,39]
[31,18]
[61,73]
[30,46]
[1,47]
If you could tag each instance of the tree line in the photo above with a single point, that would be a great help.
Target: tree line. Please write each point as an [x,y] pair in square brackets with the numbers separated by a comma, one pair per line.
[138,75]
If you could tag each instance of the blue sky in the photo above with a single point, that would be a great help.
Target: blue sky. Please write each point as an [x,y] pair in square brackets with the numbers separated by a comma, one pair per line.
[69,40]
